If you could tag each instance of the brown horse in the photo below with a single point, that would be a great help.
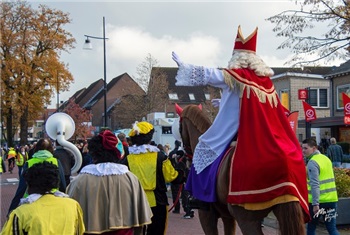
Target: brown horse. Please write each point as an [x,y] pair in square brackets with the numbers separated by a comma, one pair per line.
[193,123]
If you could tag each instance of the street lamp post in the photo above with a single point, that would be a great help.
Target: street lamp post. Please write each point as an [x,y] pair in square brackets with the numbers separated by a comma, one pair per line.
[48,86]
[88,46]
[58,93]
[308,124]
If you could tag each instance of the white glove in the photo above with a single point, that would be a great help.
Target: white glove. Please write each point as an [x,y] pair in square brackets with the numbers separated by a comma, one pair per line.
[215,102]
[176,58]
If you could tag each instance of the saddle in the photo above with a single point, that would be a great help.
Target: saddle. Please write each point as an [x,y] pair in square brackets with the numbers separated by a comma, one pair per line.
[195,203]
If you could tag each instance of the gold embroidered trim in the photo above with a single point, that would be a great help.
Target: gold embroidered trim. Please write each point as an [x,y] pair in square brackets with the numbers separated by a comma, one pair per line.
[235,81]
[269,189]
[268,204]
[241,38]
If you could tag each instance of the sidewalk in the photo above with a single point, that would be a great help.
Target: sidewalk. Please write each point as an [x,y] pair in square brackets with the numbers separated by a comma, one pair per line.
[176,224]
[8,187]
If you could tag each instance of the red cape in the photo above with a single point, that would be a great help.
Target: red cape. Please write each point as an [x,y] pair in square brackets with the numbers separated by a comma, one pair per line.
[267,161]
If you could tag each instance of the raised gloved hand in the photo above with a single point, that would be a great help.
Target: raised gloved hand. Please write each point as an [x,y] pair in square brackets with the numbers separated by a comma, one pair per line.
[176,58]
[215,102]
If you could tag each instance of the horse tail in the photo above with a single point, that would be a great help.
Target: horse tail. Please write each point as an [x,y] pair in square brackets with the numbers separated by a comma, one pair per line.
[290,218]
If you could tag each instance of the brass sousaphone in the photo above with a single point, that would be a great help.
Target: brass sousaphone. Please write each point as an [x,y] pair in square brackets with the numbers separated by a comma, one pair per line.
[60,127]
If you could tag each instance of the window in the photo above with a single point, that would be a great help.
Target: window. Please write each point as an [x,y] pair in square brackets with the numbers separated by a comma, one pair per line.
[284,97]
[173,96]
[318,97]
[166,130]
[342,89]
[191,95]
[170,114]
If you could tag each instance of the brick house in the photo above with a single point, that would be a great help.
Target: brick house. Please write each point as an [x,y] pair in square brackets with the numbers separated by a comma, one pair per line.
[288,81]
[117,88]
[185,95]
[339,79]
[325,84]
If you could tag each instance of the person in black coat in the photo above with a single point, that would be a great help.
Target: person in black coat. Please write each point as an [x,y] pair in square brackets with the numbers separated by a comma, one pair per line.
[67,160]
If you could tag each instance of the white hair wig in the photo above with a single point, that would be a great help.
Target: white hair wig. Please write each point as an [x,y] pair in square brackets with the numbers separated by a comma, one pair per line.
[241,59]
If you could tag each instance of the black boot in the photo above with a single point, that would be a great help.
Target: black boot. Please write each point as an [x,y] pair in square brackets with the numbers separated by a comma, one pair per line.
[195,203]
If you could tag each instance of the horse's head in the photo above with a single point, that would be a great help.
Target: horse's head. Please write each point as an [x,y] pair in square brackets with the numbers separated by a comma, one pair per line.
[179,109]
[191,124]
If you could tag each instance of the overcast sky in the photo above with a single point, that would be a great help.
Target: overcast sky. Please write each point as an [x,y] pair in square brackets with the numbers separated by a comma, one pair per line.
[199,32]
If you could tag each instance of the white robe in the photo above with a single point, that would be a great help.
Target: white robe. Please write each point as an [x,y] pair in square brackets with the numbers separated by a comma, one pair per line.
[225,126]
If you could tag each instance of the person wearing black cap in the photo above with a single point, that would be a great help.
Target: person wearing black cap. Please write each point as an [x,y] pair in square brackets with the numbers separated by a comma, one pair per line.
[67,160]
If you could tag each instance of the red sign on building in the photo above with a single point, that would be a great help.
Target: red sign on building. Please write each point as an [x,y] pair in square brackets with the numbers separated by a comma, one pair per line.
[346,120]
[346,103]
[302,94]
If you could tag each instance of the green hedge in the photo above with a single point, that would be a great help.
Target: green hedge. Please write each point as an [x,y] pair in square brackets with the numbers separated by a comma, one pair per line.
[342,181]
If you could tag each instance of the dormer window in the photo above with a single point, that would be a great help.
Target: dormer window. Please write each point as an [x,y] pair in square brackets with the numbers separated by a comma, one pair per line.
[191,95]
[173,96]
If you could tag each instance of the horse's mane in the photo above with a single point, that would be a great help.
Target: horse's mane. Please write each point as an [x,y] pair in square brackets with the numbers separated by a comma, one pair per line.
[194,114]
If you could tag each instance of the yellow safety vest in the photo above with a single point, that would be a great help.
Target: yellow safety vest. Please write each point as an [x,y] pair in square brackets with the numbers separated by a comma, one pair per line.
[33,161]
[328,190]
[1,170]
[21,161]
[11,154]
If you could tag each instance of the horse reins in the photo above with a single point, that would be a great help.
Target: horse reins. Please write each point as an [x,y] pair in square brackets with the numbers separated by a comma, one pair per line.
[178,193]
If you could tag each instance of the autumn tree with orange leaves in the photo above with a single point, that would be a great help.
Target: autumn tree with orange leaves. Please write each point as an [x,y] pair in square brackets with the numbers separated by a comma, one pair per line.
[31,43]
[83,129]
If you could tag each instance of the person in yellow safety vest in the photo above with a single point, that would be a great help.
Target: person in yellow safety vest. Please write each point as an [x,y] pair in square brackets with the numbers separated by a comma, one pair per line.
[11,156]
[2,165]
[22,157]
[43,152]
[323,195]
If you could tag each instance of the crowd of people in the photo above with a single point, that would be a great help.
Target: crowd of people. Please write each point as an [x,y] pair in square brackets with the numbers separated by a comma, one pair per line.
[112,176]
[122,185]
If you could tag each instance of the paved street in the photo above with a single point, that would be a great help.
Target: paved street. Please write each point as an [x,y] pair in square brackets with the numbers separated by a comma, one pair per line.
[176,224]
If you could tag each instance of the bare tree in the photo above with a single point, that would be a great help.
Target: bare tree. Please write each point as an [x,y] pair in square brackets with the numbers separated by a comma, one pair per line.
[333,44]
[144,70]
[214,93]
[156,89]
[157,92]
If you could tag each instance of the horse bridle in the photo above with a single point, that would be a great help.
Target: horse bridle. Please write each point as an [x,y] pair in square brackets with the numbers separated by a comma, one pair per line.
[187,149]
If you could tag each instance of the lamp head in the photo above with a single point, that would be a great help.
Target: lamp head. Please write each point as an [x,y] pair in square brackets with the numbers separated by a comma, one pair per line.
[87,44]
[47,86]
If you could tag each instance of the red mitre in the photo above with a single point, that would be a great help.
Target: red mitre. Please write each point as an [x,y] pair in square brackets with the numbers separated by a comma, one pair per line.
[246,44]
